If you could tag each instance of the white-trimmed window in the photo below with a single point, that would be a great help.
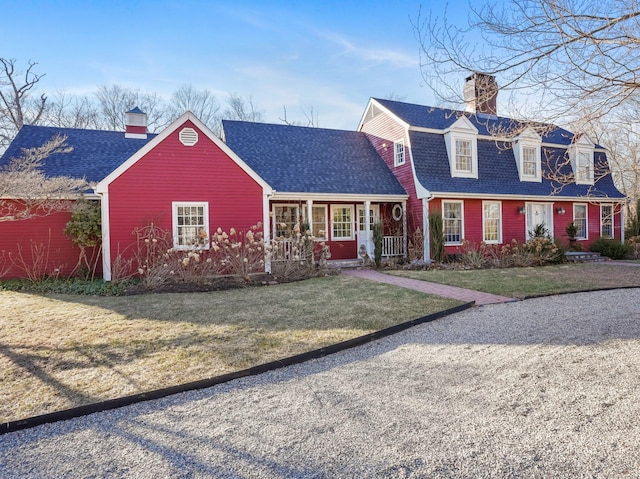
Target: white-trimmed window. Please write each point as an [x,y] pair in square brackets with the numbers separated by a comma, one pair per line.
[580,220]
[606,221]
[398,153]
[319,222]
[285,218]
[529,162]
[461,141]
[527,151]
[452,222]
[581,155]
[190,225]
[492,222]
[463,156]
[342,222]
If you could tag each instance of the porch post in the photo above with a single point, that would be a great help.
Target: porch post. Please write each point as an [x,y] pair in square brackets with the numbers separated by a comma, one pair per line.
[613,209]
[310,216]
[367,227]
[426,250]
[266,231]
[404,229]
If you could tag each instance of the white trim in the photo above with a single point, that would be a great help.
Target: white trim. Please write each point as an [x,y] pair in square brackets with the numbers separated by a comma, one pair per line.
[373,101]
[174,223]
[396,145]
[499,240]
[583,146]
[586,219]
[335,197]
[528,139]
[440,194]
[462,130]
[529,226]
[353,225]
[106,236]
[136,136]
[266,231]
[613,231]
[103,185]
[426,233]
[453,243]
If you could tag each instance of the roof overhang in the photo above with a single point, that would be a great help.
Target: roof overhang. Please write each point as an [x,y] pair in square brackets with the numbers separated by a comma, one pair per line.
[335,197]
[539,198]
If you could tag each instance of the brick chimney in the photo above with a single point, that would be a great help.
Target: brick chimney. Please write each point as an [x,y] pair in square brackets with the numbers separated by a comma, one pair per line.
[135,124]
[481,94]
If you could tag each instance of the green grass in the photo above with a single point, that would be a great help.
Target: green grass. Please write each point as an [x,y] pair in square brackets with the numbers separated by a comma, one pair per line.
[524,282]
[63,350]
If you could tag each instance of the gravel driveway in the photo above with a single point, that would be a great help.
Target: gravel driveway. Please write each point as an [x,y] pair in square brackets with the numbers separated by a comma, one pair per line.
[548,387]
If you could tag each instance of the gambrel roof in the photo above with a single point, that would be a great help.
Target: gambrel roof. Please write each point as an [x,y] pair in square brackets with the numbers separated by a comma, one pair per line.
[497,167]
[300,159]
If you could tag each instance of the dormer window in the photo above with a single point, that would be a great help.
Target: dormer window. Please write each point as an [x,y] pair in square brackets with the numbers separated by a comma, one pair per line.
[526,151]
[461,140]
[581,155]
[398,153]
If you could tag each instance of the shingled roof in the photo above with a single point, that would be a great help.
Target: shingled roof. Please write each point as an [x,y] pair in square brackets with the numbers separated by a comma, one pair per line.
[497,169]
[311,160]
[96,153]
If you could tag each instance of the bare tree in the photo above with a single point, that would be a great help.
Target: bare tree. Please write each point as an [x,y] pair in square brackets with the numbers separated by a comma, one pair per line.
[310,115]
[570,58]
[115,100]
[202,103]
[70,111]
[25,190]
[239,108]
[17,104]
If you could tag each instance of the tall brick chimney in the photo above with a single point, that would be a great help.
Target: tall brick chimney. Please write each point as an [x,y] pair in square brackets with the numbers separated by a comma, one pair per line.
[135,124]
[481,94]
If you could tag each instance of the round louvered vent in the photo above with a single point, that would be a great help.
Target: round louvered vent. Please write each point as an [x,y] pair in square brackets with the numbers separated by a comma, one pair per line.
[188,136]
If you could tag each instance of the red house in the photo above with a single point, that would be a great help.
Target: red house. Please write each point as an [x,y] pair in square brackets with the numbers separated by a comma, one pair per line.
[493,179]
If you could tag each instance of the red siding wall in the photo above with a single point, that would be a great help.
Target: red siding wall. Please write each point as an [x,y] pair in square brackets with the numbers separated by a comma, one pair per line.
[45,233]
[514,223]
[173,172]
[383,130]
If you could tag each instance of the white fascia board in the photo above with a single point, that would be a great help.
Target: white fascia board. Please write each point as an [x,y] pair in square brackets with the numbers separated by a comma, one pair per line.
[421,191]
[373,101]
[334,197]
[102,186]
[487,196]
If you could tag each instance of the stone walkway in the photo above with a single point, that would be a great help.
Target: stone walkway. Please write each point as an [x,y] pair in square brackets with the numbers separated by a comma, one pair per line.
[461,294]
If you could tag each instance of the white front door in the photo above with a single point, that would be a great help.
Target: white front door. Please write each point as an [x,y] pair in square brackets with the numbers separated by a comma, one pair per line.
[363,239]
[539,214]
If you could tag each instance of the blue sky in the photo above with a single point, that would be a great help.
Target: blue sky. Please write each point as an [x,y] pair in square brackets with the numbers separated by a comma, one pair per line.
[329,55]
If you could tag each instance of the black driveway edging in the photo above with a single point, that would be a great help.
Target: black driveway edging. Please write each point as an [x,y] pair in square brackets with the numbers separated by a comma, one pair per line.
[12,426]
[588,290]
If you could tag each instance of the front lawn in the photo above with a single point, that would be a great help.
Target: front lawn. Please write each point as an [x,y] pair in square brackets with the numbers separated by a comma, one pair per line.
[59,351]
[524,282]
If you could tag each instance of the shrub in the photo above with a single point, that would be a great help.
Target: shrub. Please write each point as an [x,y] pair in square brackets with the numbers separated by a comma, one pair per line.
[634,247]
[436,231]
[611,248]
[84,229]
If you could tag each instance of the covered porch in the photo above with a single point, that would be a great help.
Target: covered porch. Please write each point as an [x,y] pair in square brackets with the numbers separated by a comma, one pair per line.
[345,224]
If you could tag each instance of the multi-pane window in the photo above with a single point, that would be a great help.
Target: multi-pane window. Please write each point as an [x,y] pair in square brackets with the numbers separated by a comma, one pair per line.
[372,219]
[452,221]
[319,222]
[491,222]
[606,221]
[463,155]
[529,161]
[286,217]
[342,222]
[583,166]
[580,220]
[398,153]
[190,225]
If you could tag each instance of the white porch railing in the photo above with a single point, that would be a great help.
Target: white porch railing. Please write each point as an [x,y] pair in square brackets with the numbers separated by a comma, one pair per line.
[392,246]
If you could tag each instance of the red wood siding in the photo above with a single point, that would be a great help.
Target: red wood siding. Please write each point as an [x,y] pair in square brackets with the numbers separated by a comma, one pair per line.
[514,223]
[384,130]
[47,233]
[173,172]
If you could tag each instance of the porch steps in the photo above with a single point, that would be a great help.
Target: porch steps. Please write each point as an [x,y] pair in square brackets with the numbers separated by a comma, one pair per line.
[584,256]
[345,263]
